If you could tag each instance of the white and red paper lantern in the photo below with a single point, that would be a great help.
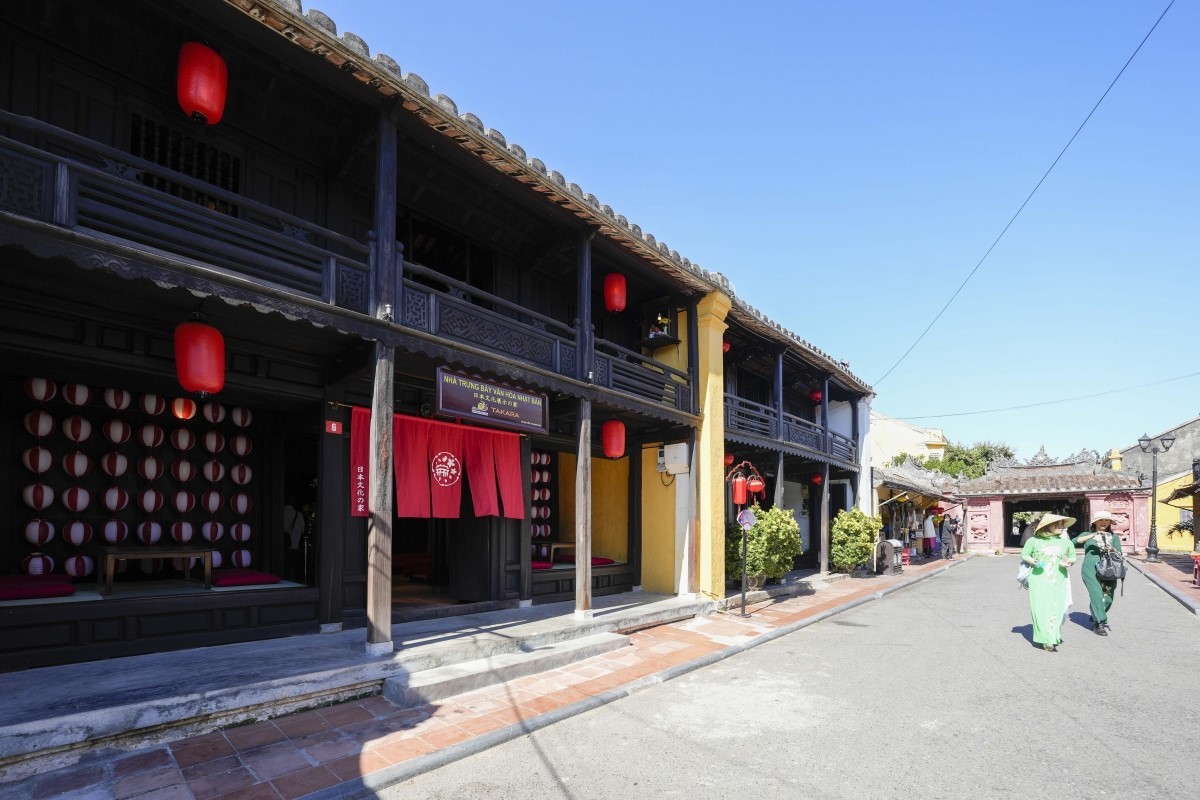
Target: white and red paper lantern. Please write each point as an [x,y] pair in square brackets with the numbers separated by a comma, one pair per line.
[150,500]
[79,566]
[76,499]
[182,532]
[240,474]
[38,496]
[211,501]
[240,531]
[241,503]
[76,464]
[77,429]
[534,476]
[151,566]
[150,436]
[77,533]
[212,531]
[152,404]
[184,564]
[39,424]
[545,459]
[42,390]
[37,564]
[117,431]
[241,417]
[241,445]
[150,468]
[37,459]
[77,394]
[183,408]
[115,498]
[214,442]
[213,470]
[38,532]
[183,502]
[183,470]
[114,465]
[545,476]
[117,399]
[149,532]
[115,531]
[240,558]
[534,459]
[182,439]
[213,412]
[217,559]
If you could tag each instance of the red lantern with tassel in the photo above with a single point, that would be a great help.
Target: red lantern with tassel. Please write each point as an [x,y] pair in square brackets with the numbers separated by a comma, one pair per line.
[755,484]
[614,292]
[201,83]
[200,358]
[817,479]
[739,490]
[815,395]
[729,459]
[612,433]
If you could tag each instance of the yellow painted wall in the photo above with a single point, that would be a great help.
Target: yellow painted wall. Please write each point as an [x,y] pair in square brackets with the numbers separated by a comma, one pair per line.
[658,527]
[710,456]
[1169,515]
[610,505]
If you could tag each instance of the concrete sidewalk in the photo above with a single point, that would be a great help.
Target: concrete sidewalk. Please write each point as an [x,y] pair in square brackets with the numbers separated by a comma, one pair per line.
[1173,574]
[356,746]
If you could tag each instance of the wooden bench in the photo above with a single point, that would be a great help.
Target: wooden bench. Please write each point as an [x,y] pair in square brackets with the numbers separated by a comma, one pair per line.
[134,552]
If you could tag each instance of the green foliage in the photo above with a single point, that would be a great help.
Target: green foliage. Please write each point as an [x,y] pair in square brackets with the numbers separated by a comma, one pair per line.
[771,545]
[852,539]
[1184,527]
[970,462]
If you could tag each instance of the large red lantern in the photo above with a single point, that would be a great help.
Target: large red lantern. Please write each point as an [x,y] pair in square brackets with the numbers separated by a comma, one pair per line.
[201,83]
[739,490]
[200,358]
[815,395]
[612,434]
[614,292]
[817,479]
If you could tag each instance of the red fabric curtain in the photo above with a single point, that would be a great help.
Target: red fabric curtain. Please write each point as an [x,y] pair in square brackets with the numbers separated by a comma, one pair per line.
[509,472]
[360,451]
[411,448]
[481,469]
[446,469]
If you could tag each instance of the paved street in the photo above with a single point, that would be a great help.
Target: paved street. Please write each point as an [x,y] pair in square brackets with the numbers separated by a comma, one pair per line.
[933,692]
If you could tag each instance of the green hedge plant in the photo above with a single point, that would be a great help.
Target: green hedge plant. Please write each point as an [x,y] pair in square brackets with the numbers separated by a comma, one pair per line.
[771,545]
[852,539]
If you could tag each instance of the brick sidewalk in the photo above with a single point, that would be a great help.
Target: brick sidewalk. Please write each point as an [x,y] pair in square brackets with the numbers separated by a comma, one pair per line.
[1173,572]
[293,756]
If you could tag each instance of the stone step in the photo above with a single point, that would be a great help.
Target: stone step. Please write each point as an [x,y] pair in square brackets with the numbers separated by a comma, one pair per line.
[435,684]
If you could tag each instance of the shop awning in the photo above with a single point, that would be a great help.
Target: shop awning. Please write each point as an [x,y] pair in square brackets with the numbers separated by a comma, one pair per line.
[1189,491]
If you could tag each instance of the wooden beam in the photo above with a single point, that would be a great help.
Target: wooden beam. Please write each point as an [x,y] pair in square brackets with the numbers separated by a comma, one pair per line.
[823,563]
[583,512]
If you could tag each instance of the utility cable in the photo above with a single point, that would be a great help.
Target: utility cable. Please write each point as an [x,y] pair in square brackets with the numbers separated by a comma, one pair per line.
[1052,402]
[1045,175]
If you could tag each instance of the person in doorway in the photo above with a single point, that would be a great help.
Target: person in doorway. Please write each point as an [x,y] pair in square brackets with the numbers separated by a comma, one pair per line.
[957,532]
[948,529]
[1050,555]
[929,531]
[293,532]
[1100,593]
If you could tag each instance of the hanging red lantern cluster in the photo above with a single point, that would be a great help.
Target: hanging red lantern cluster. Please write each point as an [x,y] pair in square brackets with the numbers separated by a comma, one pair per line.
[612,435]
[201,83]
[200,358]
[614,292]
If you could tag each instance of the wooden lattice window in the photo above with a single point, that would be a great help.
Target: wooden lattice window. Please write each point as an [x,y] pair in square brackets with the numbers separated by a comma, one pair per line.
[177,151]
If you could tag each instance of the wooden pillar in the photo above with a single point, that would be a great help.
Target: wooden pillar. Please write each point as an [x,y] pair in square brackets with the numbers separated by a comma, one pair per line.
[825,415]
[333,506]
[586,334]
[583,512]
[823,562]
[693,355]
[778,502]
[777,433]
[381,513]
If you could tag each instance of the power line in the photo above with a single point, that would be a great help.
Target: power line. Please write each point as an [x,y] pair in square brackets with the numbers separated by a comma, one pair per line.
[1052,402]
[1045,175]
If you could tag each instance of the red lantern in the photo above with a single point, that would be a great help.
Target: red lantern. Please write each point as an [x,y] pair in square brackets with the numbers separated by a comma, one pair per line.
[817,479]
[201,83]
[725,347]
[613,436]
[755,484]
[729,459]
[815,395]
[614,293]
[739,490]
[200,358]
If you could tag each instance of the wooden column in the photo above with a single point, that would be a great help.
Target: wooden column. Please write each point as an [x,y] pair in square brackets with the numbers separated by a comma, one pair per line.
[586,335]
[778,502]
[381,509]
[823,562]
[333,503]
[825,415]
[778,395]
[693,355]
[583,512]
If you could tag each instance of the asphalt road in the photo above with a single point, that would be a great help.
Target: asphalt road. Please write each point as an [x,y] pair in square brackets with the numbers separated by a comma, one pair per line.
[932,692]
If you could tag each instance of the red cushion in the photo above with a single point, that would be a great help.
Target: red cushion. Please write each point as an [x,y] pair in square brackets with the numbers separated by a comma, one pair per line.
[569,558]
[541,565]
[237,576]
[31,587]
[23,579]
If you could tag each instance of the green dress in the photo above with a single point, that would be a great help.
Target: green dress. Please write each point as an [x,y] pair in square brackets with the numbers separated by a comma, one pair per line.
[1048,585]
[1100,593]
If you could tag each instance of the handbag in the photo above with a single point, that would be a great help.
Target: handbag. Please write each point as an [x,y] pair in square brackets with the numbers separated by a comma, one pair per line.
[1023,572]
[1111,566]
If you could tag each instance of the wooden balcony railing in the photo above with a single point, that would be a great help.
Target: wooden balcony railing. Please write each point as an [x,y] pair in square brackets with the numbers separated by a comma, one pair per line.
[79,184]
[755,419]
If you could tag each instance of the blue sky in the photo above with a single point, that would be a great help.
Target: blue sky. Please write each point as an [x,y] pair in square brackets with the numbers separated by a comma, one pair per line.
[847,164]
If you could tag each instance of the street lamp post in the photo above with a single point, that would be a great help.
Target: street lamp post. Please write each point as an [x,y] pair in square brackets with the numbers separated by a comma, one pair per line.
[1148,445]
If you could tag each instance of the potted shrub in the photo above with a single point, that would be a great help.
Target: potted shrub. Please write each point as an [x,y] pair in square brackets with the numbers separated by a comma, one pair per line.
[852,539]
[771,546]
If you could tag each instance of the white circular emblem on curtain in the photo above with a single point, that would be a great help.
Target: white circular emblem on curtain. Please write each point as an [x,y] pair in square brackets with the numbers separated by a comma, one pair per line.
[445,468]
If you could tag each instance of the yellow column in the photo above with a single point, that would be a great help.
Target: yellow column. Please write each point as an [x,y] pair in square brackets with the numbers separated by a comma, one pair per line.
[710,461]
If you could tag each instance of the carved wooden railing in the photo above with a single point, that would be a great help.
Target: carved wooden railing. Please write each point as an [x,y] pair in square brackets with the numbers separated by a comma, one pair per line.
[747,417]
[59,177]
[617,367]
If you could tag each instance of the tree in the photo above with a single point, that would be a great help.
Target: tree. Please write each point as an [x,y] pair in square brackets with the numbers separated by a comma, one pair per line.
[971,462]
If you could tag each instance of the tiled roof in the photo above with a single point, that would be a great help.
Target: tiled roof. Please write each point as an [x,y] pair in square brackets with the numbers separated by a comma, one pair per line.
[912,477]
[1034,480]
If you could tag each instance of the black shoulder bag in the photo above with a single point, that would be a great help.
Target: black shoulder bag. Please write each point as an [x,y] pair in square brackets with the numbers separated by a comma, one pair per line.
[1111,567]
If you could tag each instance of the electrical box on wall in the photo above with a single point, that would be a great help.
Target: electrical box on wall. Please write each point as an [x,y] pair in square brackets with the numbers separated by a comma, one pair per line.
[673,458]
